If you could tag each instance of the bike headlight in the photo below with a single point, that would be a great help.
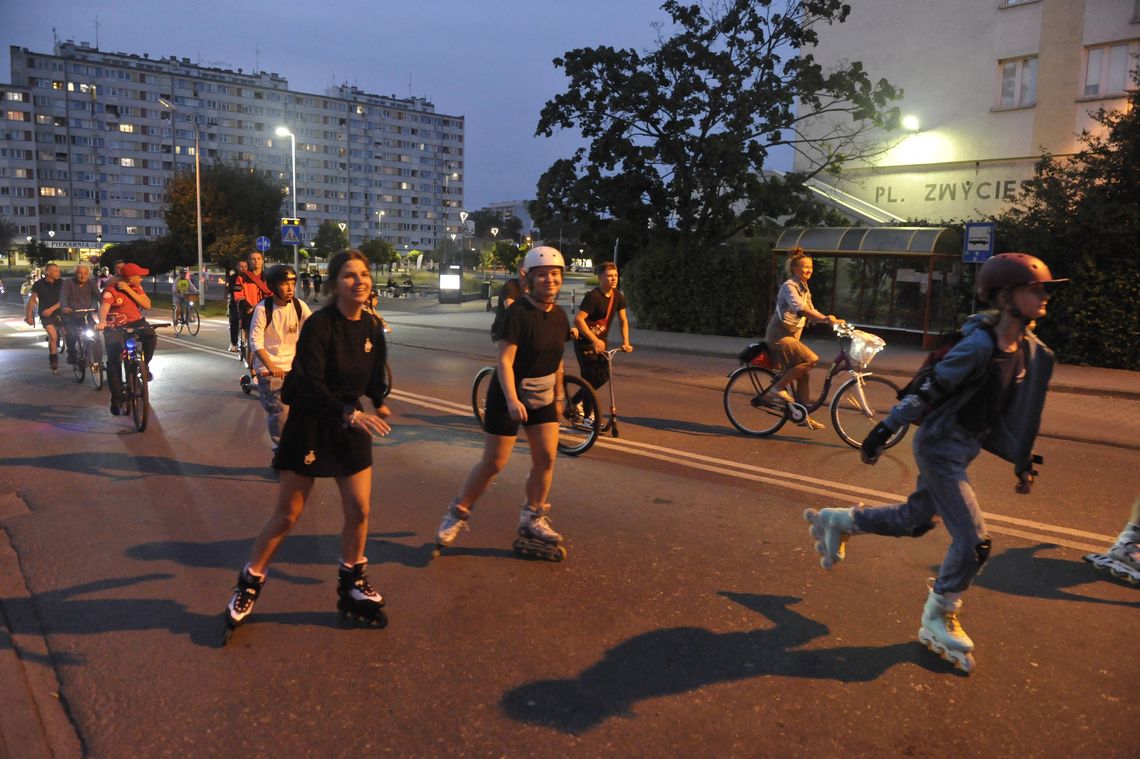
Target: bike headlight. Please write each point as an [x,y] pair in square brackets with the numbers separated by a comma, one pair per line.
[89,334]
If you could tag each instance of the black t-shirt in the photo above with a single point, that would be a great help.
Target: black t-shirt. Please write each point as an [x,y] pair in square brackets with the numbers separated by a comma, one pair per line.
[1010,370]
[539,335]
[596,305]
[338,361]
[47,294]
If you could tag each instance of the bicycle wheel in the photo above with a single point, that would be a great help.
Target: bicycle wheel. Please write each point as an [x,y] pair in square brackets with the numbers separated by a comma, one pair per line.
[95,357]
[387,379]
[750,406]
[479,393]
[80,365]
[178,323]
[853,420]
[578,427]
[140,393]
[97,375]
[193,320]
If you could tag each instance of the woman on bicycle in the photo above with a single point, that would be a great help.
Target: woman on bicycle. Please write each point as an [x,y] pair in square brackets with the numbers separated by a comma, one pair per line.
[794,309]
[527,391]
[122,304]
[180,292]
[340,357]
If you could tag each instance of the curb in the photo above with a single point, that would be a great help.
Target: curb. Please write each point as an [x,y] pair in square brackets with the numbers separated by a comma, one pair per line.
[33,719]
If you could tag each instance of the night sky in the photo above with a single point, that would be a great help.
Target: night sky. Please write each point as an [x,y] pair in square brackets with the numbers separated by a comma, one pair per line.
[489,61]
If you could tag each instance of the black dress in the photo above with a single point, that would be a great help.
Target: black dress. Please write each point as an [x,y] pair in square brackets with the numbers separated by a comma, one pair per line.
[337,361]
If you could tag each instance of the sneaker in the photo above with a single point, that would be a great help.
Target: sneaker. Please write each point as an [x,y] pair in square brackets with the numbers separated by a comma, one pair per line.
[116,410]
[233,349]
[811,424]
[149,376]
[785,396]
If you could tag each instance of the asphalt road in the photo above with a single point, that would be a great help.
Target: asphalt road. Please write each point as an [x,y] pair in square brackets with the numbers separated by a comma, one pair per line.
[691,617]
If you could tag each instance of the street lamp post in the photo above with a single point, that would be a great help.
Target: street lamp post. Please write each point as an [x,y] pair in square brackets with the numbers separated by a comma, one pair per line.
[203,280]
[284,132]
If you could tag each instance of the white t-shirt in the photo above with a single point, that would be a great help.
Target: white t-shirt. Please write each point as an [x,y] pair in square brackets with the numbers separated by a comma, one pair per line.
[278,339]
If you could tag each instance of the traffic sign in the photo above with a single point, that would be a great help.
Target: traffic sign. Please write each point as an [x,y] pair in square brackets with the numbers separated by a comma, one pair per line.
[978,246]
[263,243]
[291,231]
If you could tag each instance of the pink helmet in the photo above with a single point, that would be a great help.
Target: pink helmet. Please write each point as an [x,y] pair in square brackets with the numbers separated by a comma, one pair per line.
[1011,270]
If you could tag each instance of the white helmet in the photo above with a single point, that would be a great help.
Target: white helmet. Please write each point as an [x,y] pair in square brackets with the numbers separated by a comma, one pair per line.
[543,255]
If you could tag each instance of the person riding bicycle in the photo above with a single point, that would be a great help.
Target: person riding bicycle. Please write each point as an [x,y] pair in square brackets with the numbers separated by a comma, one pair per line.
[273,333]
[44,294]
[249,290]
[180,292]
[527,390]
[988,391]
[794,309]
[78,293]
[121,307]
[593,320]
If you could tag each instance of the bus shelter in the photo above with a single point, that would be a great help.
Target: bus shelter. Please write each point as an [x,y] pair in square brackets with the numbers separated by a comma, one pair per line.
[896,278]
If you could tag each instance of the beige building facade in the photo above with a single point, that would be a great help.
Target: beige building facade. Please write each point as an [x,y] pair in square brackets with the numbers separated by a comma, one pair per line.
[989,85]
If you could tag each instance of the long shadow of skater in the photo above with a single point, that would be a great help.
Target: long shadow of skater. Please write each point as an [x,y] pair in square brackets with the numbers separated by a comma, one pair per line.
[309,550]
[1020,572]
[682,659]
[123,466]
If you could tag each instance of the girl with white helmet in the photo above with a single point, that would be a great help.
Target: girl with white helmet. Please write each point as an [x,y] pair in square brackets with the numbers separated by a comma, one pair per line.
[526,391]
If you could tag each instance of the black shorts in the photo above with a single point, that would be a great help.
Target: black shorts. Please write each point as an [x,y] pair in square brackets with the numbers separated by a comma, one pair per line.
[317,444]
[53,319]
[497,419]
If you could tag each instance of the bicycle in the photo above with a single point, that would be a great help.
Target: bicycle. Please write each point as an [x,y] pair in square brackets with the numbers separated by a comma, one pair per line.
[136,385]
[189,319]
[577,427]
[88,350]
[860,403]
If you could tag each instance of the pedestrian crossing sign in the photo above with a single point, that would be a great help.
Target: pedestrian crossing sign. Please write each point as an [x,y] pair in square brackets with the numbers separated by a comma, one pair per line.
[291,231]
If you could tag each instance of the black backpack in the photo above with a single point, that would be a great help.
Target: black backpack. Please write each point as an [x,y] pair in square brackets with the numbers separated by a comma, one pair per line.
[926,373]
[269,309]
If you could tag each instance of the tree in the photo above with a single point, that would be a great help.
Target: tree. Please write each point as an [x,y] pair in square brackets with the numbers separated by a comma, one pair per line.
[1082,217]
[678,137]
[156,254]
[485,219]
[8,230]
[38,252]
[329,240]
[235,202]
[379,252]
[506,254]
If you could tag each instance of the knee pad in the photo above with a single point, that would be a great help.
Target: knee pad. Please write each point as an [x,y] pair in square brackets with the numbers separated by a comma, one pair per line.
[982,552]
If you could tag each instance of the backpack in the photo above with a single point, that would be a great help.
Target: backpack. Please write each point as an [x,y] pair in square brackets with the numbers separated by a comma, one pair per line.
[269,309]
[926,372]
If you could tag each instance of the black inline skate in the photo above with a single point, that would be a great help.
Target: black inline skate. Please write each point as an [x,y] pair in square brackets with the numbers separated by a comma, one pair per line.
[537,538]
[356,597]
[246,591]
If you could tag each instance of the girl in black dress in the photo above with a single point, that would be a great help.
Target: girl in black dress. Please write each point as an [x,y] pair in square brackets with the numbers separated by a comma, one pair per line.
[340,357]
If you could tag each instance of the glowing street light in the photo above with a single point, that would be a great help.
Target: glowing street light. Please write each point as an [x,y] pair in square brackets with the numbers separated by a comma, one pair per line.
[284,132]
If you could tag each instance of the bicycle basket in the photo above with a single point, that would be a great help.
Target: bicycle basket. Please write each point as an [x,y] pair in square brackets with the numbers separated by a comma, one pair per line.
[862,346]
[756,354]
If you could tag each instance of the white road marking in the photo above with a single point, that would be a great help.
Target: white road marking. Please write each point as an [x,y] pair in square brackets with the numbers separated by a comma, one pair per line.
[793,481]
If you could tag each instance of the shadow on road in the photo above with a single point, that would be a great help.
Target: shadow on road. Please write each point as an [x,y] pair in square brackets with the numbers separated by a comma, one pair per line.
[307,550]
[682,659]
[123,466]
[1020,572]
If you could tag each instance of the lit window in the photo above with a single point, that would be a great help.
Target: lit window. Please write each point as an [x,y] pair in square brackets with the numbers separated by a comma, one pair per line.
[1018,83]
[126,127]
[1107,68]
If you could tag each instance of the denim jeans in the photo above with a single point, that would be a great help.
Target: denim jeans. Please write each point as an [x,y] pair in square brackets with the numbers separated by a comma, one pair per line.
[944,490]
[269,391]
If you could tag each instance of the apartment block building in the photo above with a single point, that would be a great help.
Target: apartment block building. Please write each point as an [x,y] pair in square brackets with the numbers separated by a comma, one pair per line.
[989,85]
[89,140]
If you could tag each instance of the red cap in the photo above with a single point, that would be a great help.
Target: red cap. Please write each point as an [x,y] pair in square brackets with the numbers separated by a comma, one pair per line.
[130,270]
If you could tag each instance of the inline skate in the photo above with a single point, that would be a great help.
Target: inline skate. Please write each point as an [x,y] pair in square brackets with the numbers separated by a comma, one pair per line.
[246,591]
[831,528]
[536,537]
[1122,560]
[454,522]
[356,598]
[943,634]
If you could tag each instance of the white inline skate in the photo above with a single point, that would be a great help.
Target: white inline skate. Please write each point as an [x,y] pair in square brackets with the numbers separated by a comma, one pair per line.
[943,634]
[536,537]
[1123,558]
[454,522]
[831,528]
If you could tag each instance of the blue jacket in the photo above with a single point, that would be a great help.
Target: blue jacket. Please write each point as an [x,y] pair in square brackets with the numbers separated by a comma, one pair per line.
[958,377]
